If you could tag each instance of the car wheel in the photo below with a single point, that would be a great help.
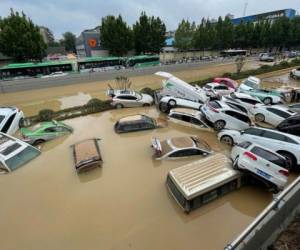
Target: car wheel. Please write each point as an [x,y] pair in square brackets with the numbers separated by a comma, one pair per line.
[219,125]
[38,142]
[259,117]
[226,139]
[172,103]
[119,106]
[290,159]
[267,101]
[146,105]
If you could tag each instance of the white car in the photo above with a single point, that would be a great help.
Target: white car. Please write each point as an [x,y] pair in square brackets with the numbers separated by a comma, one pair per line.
[266,57]
[10,119]
[14,153]
[217,90]
[223,116]
[179,147]
[129,98]
[242,101]
[261,162]
[284,144]
[295,73]
[189,117]
[271,114]
[168,102]
[295,107]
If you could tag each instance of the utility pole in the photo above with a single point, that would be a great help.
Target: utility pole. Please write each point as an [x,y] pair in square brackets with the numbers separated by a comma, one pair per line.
[245,9]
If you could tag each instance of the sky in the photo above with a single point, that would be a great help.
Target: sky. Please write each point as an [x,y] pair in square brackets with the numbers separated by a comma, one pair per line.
[76,15]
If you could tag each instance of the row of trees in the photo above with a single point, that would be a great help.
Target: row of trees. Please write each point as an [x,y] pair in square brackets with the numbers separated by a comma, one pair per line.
[222,34]
[146,36]
[20,38]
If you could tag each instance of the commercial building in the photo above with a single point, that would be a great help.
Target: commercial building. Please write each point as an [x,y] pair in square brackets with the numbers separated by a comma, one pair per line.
[88,44]
[273,15]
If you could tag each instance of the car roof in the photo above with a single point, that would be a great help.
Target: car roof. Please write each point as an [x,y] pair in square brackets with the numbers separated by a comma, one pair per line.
[7,110]
[185,111]
[6,141]
[294,137]
[181,142]
[134,118]
[85,150]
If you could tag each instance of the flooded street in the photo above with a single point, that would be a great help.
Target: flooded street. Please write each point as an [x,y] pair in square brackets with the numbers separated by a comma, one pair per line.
[124,205]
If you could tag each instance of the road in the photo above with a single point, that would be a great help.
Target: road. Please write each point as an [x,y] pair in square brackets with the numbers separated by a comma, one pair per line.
[77,78]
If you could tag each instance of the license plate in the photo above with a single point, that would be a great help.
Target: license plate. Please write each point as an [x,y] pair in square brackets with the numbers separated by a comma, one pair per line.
[263,174]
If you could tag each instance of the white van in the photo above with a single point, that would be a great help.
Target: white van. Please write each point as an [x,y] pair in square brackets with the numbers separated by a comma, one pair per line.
[202,181]
[173,86]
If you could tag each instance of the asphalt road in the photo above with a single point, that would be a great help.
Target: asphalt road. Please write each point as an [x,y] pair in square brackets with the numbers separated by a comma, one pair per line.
[77,78]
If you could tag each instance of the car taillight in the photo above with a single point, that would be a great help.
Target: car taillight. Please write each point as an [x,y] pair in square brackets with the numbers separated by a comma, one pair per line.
[284,172]
[250,155]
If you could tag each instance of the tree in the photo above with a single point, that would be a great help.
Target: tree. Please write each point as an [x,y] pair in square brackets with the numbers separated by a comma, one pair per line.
[69,42]
[116,36]
[240,62]
[184,35]
[149,34]
[20,38]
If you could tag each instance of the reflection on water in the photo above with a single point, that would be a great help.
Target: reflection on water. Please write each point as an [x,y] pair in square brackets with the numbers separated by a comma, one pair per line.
[123,205]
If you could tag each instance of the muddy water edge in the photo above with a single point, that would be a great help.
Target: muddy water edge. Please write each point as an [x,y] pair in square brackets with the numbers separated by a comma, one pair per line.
[123,205]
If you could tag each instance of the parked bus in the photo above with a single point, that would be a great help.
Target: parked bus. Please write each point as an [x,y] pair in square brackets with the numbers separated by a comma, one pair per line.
[233,52]
[24,70]
[142,61]
[200,182]
[91,64]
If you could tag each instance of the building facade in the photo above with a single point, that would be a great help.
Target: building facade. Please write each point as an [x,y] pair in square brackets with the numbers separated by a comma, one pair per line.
[273,15]
[88,44]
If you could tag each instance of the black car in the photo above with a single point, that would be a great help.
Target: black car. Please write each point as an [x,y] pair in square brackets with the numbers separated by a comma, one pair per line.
[290,125]
[135,123]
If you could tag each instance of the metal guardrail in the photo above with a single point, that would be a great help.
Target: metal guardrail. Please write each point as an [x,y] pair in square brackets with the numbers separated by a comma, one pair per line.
[274,207]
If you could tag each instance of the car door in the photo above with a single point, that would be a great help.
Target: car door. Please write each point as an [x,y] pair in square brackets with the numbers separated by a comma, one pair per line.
[130,101]
[275,116]
[274,141]
[236,120]
[252,135]
[49,133]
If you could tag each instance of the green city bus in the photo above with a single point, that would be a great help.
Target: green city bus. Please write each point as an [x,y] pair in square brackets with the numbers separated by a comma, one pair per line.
[91,64]
[142,61]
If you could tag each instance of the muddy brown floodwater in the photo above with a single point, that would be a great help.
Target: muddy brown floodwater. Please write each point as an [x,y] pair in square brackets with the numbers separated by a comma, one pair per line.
[124,205]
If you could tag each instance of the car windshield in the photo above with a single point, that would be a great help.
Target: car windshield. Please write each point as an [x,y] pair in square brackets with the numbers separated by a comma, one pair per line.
[201,144]
[1,118]
[22,158]
[251,84]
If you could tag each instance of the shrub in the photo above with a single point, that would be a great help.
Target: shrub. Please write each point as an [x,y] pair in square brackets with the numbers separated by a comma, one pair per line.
[94,102]
[284,64]
[95,105]
[46,115]
[227,74]
[148,91]
[265,67]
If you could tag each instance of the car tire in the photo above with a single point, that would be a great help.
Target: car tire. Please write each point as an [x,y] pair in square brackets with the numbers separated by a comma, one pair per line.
[219,125]
[172,103]
[259,117]
[226,139]
[267,101]
[291,159]
[119,106]
[38,142]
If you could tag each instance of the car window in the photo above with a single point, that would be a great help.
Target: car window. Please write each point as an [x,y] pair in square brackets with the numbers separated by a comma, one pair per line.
[244,144]
[127,97]
[250,101]
[274,136]
[197,122]
[238,116]
[236,107]
[269,156]
[10,149]
[214,104]
[61,129]
[8,123]
[208,86]
[186,118]
[280,113]
[253,131]
[176,116]
[292,106]
[50,130]
[220,87]
[146,125]
[186,152]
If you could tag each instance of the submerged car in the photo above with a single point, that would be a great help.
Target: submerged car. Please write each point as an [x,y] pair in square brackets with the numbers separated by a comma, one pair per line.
[10,119]
[129,98]
[295,74]
[262,163]
[180,147]
[168,102]
[189,117]
[136,123]
[45,131]
[87,155]
[251,86]
[15,153]
[266,57]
